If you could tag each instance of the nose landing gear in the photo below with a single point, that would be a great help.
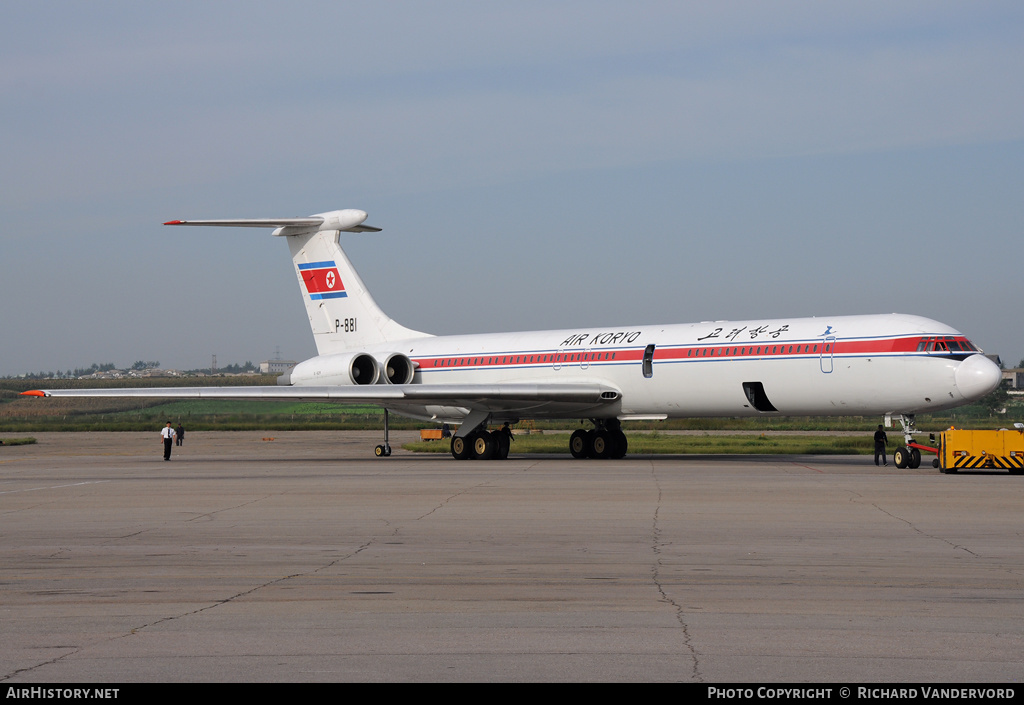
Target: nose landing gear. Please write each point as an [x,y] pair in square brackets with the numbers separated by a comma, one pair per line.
[909,454]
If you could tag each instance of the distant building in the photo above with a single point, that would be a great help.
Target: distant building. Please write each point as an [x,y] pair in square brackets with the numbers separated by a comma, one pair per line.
[1015,376]
[277,367]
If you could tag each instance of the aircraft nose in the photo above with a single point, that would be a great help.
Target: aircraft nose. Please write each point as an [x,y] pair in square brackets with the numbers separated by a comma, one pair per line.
[977,376]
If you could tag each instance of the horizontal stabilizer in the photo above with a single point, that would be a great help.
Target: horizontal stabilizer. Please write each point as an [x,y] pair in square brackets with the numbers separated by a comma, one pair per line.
[254,222]
[350,220]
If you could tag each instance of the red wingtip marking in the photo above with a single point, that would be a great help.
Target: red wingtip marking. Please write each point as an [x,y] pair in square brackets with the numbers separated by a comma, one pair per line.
[33,393]
[174,222]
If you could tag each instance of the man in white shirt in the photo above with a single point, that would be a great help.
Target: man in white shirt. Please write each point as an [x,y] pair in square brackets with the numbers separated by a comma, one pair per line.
[167,434]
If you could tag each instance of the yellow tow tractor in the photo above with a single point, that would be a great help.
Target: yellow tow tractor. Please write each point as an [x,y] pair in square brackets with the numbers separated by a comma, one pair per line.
[970,450]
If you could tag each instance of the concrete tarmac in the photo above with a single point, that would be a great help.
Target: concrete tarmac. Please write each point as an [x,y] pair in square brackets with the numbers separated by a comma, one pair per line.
[305,558]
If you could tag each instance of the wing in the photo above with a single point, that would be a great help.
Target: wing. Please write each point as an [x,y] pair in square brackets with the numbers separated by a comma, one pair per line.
[485,398]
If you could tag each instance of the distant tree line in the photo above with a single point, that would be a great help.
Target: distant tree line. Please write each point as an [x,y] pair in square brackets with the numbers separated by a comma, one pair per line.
[138,366]
[237,369]
[232,369]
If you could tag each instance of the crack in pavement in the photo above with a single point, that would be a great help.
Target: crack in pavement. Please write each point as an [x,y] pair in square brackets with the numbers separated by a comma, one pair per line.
[857,497]
[244,593]
[680,613]
[956,546]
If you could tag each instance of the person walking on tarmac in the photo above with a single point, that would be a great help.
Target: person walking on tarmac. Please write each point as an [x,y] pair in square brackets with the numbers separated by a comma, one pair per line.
[504,441]
[881,441]
[179,435]
[167,434]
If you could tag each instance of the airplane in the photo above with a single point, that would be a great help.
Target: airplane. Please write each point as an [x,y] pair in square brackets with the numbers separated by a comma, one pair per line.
[894,365]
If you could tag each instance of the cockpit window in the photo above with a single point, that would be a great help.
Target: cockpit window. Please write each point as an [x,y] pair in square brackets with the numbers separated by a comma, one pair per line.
[946,344]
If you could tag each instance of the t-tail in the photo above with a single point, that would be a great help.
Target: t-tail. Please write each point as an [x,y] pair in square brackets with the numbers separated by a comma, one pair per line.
[341,311]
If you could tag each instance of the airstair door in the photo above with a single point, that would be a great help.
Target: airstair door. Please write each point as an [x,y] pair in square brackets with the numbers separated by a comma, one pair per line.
[649,360]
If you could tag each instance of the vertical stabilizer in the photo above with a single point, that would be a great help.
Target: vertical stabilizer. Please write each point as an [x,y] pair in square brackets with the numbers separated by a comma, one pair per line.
[341,311]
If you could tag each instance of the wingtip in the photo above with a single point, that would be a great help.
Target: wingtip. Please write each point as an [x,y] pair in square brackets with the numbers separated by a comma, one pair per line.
[175,222]
[34,393]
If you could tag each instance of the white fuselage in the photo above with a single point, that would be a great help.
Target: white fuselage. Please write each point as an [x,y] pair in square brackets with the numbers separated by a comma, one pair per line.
[845,365]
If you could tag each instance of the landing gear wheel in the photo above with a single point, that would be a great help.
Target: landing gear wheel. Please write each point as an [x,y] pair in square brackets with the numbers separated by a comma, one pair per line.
[483,445]
[578,444]
[460,448]
[915,459]
[599,444]
[382,451]
[901,456]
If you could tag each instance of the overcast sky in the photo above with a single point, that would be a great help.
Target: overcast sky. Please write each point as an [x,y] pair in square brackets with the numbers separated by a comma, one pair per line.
[533,165]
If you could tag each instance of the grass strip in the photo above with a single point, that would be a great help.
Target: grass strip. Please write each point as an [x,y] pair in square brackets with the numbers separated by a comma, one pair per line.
[17,441]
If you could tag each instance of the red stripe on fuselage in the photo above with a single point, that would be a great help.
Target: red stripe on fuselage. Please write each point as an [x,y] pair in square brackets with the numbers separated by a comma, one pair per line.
[670,353]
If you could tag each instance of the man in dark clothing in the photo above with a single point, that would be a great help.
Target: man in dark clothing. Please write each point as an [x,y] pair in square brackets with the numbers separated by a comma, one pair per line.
[881,441]
[504,441]
[179,435]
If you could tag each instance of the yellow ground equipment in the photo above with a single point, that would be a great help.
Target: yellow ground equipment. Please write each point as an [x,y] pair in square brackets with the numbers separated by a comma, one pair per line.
[981,450]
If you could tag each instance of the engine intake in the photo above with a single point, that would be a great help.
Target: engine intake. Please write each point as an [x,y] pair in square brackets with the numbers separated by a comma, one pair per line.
[397,369]
[337,369]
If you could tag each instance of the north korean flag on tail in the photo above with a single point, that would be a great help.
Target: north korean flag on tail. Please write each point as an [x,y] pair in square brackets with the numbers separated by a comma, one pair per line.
[322,280]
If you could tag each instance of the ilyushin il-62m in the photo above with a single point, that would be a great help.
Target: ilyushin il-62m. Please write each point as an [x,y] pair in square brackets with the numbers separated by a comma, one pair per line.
[891,365]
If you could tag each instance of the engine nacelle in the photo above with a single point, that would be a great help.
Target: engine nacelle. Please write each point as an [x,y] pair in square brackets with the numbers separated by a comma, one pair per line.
[337,369]
[396,368]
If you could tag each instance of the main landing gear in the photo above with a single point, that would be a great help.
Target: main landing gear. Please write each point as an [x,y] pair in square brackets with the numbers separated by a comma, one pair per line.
[481,444]
[605,441]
